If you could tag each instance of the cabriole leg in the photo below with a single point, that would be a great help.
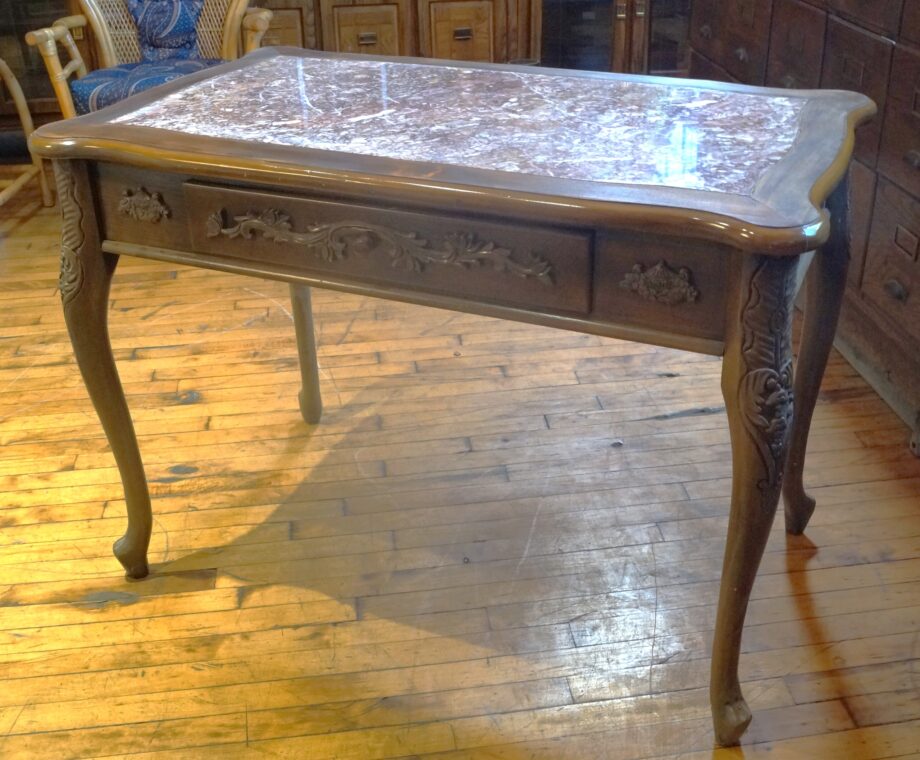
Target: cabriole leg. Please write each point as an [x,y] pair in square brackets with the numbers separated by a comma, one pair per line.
[311,401]
[824,294]
[86,274]
[757,385]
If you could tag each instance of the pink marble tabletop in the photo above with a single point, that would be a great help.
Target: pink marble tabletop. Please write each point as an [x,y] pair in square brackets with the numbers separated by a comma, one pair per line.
[598,129]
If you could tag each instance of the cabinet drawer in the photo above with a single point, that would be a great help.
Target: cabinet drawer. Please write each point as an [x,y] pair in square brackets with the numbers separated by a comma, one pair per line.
[650,282]
[883,16]
[910,22]
[702,68]
[797,46]
[855,59]
[370,29]
[546,269]
[892,276]
[900,155]
[457,29]
[734,35]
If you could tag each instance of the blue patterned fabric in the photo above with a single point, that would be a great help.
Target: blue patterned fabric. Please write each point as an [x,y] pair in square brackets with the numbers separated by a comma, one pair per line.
[104,87]
[166,28]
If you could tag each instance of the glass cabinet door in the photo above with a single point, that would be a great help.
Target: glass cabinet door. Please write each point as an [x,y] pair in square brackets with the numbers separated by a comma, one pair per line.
[616,35]
[16,18]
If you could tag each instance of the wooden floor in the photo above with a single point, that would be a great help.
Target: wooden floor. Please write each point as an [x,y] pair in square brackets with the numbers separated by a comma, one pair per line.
[502,541]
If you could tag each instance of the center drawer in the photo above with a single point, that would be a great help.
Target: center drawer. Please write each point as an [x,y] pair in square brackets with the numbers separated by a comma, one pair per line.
[537,267]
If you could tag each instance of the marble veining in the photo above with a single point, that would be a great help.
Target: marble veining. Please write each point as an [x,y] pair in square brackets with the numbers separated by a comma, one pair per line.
[544,124]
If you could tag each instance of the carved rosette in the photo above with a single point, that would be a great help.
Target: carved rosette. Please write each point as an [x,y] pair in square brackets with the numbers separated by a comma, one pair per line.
[765,390]
[72,237]
[661,284]
[336,241]
[143,206]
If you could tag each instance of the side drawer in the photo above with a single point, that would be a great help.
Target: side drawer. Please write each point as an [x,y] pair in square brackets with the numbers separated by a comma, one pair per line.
[702,68]
[910,22]
[899,159]
[892,277]
[855,59]
[458,29]
[541,268]
[734,35]
[797,45]
[366,29]
[647,281]
[883,16]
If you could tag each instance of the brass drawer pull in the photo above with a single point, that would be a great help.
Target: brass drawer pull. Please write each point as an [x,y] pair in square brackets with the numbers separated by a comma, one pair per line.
[621,10]
[706,32]
[896,290]
[790,82]
[913,158]
[640,9]
[367,38]
[742,54]
[463,33]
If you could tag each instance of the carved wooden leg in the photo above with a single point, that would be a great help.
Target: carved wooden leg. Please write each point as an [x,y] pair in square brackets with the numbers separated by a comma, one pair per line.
[756,383]
[311,401]
[824,294]
[86,273]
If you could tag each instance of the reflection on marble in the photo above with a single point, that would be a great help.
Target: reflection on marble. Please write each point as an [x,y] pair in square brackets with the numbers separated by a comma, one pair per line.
[572,127]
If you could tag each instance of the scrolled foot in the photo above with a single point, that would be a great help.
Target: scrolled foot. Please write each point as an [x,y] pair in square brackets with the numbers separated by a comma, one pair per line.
[731,721]
[799,507]
[132,558]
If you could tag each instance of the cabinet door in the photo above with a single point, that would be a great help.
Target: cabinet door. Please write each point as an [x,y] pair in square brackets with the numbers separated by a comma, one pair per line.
[295,23]
[883,16]
[369,28]
[465,30]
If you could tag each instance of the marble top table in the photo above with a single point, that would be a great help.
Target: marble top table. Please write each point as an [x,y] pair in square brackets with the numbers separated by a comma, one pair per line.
[667,211]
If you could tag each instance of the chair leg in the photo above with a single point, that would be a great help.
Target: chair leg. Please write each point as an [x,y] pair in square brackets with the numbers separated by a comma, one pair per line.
[311,402]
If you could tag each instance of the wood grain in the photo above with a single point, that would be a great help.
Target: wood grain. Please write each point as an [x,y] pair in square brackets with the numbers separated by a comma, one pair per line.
[503,541]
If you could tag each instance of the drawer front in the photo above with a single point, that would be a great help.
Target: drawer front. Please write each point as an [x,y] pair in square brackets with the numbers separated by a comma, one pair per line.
[855,59]
[910,22]
[892,276]
[702,68]
[461,29]
[735,35]
[660,284]
[862,198]
[797,45]
[542,268]
[368,29]
[883,16]
[900,154]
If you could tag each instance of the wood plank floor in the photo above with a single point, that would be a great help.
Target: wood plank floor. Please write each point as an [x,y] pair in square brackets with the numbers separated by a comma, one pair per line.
[502,541]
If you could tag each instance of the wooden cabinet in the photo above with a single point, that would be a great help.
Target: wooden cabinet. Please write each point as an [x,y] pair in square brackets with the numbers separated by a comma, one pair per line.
[295,23]
[373,29]
[460,29]
[873,47]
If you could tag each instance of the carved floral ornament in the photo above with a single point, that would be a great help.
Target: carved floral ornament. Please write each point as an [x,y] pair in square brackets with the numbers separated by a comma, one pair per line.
[335,241]
[143,206]
[661,284]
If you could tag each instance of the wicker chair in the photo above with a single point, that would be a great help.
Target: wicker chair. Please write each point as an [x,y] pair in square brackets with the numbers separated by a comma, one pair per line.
[122,70]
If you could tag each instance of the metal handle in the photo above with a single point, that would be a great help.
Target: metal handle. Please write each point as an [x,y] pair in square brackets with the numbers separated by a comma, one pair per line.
[706,32]
[367,38]
[789,81]
[896,290]
[742,54]
[621,9]
[640,8]
[463,33]
[913,158]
